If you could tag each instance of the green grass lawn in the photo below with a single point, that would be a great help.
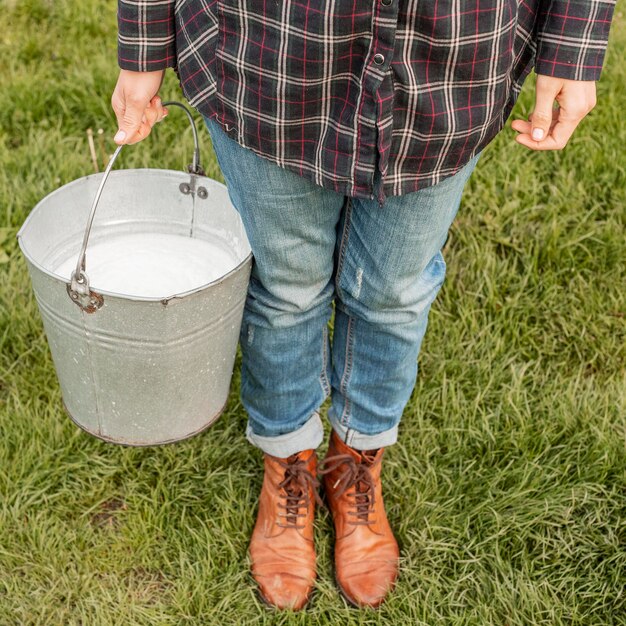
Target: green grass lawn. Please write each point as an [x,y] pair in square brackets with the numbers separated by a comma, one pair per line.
[508,486]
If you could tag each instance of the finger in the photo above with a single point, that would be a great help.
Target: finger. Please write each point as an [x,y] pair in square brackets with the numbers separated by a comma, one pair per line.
[142,132]
[563,130]
[555,114]
[522,126]
[162,111]
[151,116]
[131,120]
[117,103]
[155,115]
[542,115]
[549,143]
[154,112]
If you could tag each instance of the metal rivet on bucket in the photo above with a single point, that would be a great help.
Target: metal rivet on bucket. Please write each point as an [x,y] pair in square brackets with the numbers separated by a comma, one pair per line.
[138,370]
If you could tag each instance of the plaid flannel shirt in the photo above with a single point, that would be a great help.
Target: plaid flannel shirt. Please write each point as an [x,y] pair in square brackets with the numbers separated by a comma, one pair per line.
[334,89]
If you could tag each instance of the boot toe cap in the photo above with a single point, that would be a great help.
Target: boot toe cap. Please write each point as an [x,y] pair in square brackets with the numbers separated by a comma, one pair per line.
[368,588]
[284,591]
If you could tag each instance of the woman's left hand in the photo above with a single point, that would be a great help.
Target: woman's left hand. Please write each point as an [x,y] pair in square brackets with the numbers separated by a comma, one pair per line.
[550,128]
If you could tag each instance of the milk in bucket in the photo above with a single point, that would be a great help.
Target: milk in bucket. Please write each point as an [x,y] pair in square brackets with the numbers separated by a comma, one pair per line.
[153,264]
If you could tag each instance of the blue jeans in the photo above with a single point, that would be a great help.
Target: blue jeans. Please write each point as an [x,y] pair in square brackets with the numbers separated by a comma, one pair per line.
[381,265]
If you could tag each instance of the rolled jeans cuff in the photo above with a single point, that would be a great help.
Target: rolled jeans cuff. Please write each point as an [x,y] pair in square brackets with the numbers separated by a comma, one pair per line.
[359,441]
[308,436]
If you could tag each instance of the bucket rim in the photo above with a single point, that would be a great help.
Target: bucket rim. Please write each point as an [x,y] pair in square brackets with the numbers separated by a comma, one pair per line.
[82,179]
[112,294]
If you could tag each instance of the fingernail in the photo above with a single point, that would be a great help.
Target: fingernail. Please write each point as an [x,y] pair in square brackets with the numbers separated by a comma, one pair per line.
[537,134]
[120,136]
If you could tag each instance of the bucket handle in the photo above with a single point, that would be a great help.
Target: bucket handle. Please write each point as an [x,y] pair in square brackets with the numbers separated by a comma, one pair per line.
[78,289]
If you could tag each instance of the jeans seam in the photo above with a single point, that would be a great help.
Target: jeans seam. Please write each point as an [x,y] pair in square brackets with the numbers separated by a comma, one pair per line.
[343,247]
[325,384]
[343,385]
[347,371]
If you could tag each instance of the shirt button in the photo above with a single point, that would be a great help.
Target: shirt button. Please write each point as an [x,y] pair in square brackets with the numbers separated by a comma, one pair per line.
[386,2]
[379,59]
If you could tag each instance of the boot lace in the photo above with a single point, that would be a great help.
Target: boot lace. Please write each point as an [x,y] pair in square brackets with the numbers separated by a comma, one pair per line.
[295,486]
[355,475]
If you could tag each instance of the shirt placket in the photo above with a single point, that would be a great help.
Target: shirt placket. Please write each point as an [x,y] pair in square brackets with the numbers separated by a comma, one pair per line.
[375,111]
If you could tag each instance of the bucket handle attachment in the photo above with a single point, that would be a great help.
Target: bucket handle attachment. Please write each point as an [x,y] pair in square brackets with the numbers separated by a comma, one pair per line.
[78,288]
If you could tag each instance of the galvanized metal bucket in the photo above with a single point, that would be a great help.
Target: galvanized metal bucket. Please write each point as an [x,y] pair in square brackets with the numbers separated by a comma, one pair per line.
[134,370]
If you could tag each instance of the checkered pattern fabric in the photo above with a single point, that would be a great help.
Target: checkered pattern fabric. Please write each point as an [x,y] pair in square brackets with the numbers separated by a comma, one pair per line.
[333,89]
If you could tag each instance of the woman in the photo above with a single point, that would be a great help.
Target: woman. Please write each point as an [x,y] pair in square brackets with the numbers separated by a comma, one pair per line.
[345,136]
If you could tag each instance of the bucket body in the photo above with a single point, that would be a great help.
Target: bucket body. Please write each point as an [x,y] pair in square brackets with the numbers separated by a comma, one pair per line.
[140,371]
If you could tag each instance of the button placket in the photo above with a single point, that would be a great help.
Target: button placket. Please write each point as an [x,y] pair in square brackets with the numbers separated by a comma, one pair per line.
[383,34]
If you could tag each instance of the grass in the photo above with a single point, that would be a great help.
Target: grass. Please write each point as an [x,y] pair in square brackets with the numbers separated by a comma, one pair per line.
[507,488]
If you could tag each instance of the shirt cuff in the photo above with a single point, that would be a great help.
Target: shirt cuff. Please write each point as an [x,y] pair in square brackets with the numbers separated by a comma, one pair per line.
[554,60]
[146,40]
[572,37]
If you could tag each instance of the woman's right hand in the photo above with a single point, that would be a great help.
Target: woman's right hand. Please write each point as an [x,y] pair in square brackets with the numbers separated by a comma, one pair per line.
[136,104]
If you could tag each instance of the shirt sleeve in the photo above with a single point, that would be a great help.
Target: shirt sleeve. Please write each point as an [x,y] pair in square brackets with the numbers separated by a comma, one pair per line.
[572,37]
[146,35]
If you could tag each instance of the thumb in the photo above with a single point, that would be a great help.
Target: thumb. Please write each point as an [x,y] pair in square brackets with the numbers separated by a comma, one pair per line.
[130,121]
[546,90]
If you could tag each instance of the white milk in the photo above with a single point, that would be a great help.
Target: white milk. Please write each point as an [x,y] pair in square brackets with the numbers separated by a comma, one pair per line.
[151,265]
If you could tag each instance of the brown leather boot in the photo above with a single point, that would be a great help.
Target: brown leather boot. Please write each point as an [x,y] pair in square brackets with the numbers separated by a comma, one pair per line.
[281,548]
[366,552]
